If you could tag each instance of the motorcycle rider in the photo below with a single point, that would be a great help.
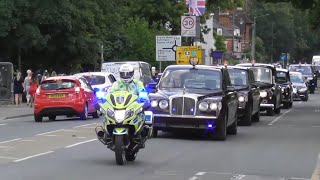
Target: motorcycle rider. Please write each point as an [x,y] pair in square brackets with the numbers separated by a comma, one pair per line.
[129,84]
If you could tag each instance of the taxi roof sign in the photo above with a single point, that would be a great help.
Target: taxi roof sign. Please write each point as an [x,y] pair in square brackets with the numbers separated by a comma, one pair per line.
[185,54]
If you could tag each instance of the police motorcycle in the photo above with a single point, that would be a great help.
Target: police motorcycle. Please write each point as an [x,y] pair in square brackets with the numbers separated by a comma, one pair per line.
[126,126]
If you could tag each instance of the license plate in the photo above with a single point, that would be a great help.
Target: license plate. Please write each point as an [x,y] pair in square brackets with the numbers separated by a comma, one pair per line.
[56,96]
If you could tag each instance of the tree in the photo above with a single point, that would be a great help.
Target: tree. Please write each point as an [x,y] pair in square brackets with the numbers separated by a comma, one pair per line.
[219,42]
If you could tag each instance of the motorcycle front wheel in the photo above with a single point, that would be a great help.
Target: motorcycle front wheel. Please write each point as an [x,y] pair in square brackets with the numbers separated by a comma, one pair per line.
[119,149]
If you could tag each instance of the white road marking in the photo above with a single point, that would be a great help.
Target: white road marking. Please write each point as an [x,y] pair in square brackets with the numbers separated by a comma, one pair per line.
[10,140]
[316,126]
[50,132]
[88,127]
[295,178]
[70,130]
[277,119]
[6,147]
[28,140]
[81,137]
[3,157]
[50,135]
[193,178]
[84,125]
[83,142]
[29,157]
[200,173]
[3,124]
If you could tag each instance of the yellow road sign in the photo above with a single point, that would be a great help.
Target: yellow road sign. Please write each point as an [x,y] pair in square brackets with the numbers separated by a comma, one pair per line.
[185,53]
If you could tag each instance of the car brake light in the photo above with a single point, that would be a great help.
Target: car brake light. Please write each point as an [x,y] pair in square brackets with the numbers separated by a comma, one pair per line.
[77,90]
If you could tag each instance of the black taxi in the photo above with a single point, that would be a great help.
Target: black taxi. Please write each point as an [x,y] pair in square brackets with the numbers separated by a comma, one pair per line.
[283,79]
[195,97]
[308,72]
[270,92]
[242,78]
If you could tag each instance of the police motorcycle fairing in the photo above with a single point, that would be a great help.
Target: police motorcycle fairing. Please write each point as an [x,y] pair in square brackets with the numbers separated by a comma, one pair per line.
[126,126]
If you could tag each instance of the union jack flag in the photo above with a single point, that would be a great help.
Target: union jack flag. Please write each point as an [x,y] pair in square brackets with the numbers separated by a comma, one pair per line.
[197,7]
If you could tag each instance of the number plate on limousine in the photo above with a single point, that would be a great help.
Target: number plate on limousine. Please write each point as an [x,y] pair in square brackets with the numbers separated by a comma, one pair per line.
[57,95]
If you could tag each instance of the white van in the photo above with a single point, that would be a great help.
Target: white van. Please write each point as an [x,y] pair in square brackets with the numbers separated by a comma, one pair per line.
[316,60]
[142,70]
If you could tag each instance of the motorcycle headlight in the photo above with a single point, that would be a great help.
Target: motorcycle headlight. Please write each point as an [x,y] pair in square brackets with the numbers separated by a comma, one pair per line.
[203,106]
[129,113]
[263,94]
[110,113]
[119,115]
[154,103]
[163,104]
[216,106]
[303,89]
[241,99]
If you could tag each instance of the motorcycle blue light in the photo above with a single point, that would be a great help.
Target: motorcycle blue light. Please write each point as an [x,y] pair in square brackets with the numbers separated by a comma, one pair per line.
[100,95]
[174,109]
[143,95]
[191,110]
[210,126]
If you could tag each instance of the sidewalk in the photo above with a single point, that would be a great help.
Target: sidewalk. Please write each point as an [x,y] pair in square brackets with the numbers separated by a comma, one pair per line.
[316,173]
[9,111]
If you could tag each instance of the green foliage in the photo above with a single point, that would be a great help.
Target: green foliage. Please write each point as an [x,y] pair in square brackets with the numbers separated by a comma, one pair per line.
[219,44]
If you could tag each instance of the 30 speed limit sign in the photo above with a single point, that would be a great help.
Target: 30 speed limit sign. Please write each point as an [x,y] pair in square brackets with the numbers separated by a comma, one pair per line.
[188,26]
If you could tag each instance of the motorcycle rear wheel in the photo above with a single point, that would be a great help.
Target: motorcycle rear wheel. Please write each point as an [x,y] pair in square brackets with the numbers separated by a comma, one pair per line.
[119,149]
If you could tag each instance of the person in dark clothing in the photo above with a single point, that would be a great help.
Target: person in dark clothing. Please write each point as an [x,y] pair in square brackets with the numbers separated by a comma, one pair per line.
[18,89]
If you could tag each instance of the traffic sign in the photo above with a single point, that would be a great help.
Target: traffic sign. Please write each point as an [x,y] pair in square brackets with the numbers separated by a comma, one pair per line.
[283,57]
[185,53]
[190,26]
[166,47]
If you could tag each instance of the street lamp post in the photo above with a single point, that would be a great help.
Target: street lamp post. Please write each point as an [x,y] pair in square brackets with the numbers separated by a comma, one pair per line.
[253,43]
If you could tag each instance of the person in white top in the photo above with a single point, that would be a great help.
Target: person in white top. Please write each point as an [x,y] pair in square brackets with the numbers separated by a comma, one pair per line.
[27,85]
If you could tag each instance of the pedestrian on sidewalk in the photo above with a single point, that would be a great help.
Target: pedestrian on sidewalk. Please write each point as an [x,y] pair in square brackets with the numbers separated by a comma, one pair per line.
[27,85]
[34,83]
[18,89]
[53,74]
[45,75]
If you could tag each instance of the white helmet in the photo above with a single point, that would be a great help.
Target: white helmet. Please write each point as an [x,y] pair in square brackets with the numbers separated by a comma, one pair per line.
[126,73]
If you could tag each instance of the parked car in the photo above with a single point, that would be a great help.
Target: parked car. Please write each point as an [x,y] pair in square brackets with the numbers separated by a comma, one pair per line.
[142,70]
[300,86]
[308,72]
[195,98]
[242,78]
[283,78]
[64,95]
[100,82]
[270,91]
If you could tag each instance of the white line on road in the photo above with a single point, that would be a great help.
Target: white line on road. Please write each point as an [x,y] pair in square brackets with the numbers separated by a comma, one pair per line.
[84,125]
[3,124]
[70,130]
[28,140]
[316,126]
[50,132]
[83,142]
[50,135]
[6,147]
[200,173]
[29,157]
[81,137]
[277,119]
[2,157]
[193,178]
[10,140]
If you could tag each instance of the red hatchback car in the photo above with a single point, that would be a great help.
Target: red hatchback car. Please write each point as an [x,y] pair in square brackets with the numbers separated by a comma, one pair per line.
[64,95]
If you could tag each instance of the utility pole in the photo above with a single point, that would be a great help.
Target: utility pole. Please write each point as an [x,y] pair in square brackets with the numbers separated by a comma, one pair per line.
[233,33]
[102,58]
[271,43]
[253,40]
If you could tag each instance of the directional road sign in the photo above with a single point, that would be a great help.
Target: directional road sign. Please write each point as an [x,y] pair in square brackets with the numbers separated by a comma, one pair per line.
[166,47]
[185,53]
[283,57]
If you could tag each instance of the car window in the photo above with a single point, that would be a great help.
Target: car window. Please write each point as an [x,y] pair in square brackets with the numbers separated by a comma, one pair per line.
[296,79]
[146,71]
[238,77]
[305,70]
[191,79]
[262,74]
[95,79]
[57,84]
[282,77]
